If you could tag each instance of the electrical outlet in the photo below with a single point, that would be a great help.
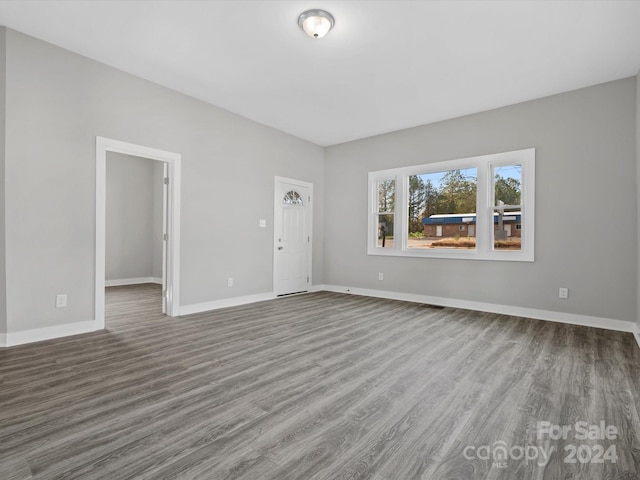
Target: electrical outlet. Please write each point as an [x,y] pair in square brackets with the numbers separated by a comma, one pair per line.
[61,300]
[563,292]
[380,276]
[262,223]
[230,282]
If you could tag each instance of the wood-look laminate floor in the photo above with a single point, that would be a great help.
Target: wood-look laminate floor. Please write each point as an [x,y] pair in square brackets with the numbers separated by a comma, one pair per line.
[318,386]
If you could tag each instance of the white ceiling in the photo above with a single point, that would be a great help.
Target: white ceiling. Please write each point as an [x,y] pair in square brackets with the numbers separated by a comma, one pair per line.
[386,65]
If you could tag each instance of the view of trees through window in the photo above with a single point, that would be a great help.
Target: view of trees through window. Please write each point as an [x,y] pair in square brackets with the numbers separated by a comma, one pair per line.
[440,205]
[442,208]
[477,208]
[507,231]
[507,183]
[386,208]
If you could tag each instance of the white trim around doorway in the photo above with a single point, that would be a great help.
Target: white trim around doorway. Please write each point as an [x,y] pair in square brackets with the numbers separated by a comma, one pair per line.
[173,161]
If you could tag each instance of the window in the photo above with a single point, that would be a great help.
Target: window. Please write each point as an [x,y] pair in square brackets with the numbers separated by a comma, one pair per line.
[507,208]
[442,204]
[478,208]
[292,198]
[385,212]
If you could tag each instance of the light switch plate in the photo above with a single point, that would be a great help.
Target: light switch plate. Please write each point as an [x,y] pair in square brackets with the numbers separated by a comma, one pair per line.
[61,300]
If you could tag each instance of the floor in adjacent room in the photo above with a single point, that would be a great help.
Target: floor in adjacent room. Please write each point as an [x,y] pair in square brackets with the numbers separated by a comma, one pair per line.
[320,386]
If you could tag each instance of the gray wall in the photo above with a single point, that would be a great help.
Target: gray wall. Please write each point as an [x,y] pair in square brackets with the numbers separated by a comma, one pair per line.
[586,215]
[3,283]
[638,183]
[57,102]
[158,212]
[133,217]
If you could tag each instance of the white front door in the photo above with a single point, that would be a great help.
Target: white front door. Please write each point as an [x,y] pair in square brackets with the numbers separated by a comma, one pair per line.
[292,237]
[507,228]
[438,230]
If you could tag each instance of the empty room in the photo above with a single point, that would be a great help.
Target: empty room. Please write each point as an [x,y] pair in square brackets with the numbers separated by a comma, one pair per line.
[386,240]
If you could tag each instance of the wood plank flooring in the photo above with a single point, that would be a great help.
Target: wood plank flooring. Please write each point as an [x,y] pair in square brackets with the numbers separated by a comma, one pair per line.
[317,386]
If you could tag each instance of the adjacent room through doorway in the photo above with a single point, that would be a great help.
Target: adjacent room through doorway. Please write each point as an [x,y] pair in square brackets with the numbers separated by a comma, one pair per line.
[137,221]
[135,224]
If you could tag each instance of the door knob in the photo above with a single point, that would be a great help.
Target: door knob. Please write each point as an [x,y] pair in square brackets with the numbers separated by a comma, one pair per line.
[280,248]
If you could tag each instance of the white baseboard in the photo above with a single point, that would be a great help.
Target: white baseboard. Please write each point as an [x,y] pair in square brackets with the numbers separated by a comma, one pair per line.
[132,281]
[636,334]
[47,333]
[320,288]
[224,303]
[571,318]
[57,331]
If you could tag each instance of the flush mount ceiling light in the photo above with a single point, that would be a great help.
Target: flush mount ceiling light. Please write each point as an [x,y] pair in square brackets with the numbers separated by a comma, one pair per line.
[316,23]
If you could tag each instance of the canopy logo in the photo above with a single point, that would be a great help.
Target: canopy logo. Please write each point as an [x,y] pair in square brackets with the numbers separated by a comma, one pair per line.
[499,453]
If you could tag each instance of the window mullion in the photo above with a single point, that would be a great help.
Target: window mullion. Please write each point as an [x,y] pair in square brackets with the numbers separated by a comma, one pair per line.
[484,224]
[401,213]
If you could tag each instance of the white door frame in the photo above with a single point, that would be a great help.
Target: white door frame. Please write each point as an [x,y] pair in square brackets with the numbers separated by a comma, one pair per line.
[277,203]
[173,160]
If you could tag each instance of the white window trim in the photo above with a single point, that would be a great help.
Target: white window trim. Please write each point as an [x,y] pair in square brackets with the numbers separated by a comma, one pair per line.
[484,210]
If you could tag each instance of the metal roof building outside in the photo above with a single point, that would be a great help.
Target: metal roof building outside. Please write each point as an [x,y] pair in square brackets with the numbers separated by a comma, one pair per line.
[457,218]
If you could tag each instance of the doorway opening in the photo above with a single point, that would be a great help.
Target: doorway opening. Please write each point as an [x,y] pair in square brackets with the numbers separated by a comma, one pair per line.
[136,211]
[169,165]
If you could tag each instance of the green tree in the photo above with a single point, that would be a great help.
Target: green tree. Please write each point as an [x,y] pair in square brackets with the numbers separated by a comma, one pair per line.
[457,193]
[386,195]
[431,198]
[508,190]
[416,202]
[386,203]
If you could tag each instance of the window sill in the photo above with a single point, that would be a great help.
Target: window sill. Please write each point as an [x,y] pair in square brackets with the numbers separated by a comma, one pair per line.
[500,256]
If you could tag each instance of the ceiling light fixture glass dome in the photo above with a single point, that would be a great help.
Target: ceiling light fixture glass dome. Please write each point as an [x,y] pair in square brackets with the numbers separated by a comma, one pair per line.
[316,23]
